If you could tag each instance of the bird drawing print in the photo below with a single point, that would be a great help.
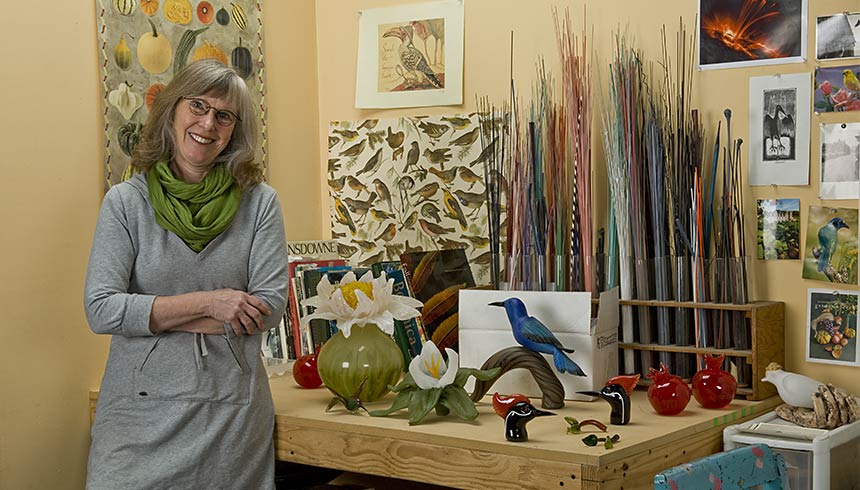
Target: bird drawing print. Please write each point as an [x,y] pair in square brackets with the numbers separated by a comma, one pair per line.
[831,245]
[778,127]
[412,183]
[409,65]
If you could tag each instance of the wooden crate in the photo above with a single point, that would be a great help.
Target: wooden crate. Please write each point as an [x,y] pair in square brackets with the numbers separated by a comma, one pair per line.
[766,323]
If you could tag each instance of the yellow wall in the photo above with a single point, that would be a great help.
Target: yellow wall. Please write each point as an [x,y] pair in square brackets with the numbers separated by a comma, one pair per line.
[51,185]
[49,198]
[488,24]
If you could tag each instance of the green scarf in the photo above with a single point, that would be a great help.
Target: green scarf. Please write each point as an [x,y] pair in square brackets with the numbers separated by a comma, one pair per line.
[197,213]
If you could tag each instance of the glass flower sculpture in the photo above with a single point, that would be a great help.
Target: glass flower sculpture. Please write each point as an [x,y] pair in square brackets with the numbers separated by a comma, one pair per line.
[433,384]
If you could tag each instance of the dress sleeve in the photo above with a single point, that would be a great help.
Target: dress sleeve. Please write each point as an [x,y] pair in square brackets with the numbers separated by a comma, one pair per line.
[109,307]
[268,274]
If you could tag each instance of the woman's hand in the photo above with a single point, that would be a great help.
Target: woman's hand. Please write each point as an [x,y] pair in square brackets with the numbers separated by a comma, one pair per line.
[241,310]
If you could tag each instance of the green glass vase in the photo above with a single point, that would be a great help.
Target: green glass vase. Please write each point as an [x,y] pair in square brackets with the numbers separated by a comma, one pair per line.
[368,353]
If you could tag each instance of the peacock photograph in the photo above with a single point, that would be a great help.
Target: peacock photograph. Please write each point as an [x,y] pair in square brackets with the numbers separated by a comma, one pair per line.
[831,245]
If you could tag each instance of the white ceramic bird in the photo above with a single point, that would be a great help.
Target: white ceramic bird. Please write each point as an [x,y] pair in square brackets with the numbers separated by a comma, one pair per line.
[794,389]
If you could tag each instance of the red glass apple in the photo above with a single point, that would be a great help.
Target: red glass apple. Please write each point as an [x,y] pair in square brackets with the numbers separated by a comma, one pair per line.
[305,371]
[669,395]
[713,387]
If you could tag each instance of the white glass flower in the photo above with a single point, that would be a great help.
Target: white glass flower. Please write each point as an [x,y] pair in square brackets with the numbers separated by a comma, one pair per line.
[429,369]
[359,302]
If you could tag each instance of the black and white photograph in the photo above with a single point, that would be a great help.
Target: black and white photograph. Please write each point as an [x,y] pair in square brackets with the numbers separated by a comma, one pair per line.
[778,131]
[840,161]
[780,107]
[837,36]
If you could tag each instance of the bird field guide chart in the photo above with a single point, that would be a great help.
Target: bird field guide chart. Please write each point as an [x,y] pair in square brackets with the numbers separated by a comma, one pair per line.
[832,331]
[831,245]
[779,130]
[837,88]
[410,55]
[840,161]
[408,184]
[143,43]
[735,33]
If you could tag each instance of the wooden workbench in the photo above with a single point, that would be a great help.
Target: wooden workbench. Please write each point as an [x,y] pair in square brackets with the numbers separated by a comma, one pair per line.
[475,455]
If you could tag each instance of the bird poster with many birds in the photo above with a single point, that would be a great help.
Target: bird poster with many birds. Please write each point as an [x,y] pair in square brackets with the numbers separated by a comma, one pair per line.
[840,161]
[837,88]
[831,245]
[410,55]
[143,43]
[780,107]
[409,184]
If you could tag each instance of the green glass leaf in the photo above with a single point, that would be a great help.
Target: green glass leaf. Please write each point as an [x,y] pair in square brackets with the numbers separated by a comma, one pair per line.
[456,398]
[422,403]
[406,383]
[483,375]
[442,410]
[400,402]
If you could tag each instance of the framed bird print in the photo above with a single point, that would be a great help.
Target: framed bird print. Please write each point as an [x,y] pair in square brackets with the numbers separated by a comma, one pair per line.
[837,88]
[831,245]
[779,130]
[410,55]
[840,161]
[832,331]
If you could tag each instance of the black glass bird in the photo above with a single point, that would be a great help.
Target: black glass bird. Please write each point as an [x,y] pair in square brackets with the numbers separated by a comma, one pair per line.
[618,399]
[518,416]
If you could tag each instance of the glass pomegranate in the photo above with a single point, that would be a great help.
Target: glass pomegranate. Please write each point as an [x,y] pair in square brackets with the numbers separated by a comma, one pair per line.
[305,371]
[668,394]
[713,387]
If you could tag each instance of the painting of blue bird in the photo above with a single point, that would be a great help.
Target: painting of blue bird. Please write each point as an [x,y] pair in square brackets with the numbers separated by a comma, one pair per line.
[828,241]
[534,335]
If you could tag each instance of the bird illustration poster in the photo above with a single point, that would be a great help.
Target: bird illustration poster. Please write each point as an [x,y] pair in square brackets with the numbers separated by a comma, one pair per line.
[409,184]
[837,36]
[780,107]
[840,161]
[837,88]
[832,331]
[831,245]
[143,43]
[778,229]
[741,33]
[410,55]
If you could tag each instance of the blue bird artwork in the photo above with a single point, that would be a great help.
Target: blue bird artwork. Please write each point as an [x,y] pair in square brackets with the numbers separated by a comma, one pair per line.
[828,240]
[532,334]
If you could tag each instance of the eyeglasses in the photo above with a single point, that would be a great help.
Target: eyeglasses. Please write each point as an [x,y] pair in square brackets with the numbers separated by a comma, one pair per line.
[199,107]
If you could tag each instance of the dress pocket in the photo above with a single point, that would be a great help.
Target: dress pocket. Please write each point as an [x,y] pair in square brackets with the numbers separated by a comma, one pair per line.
[174,369]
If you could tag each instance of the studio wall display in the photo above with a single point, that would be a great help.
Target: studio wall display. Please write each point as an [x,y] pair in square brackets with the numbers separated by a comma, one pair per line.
[840,161]
[408,184]
[410,55]
[831,245]
[143,44]
[837,88]
[832,331]
[779,130]
[837,36]
[778,229]
[736,33]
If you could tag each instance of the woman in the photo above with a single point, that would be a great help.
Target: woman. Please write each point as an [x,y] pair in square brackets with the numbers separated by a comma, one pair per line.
[188,267]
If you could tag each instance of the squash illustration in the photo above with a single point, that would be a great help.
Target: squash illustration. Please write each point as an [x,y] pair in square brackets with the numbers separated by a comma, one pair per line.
[153,51]
[222,17]
[122,53]
[128,136]
[126,101]
[149,7]
[151,93]
[209,51]
[186,42]
[240,58]
[125,7]
[177,11]
[205,12]
[237,13]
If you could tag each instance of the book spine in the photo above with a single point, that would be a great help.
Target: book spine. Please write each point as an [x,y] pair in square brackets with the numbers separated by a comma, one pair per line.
[295,321]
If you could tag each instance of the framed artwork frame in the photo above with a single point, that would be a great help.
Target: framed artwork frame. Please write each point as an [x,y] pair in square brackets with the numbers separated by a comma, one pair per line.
[742,33]
[410,56]
[832,327]
[780,107]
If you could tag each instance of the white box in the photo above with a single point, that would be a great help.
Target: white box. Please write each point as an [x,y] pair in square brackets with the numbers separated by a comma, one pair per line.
[485,330]
[830,461]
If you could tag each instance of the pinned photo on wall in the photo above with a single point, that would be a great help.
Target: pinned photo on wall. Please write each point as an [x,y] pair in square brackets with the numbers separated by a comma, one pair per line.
[410,55]
[831,245]
[740,33]
[778,229]
[837,36]
[779,130]
[832,330]
[837,88]
[840,161]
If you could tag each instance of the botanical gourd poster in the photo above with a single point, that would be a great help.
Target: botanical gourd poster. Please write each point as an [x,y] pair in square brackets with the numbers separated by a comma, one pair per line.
[143,43]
